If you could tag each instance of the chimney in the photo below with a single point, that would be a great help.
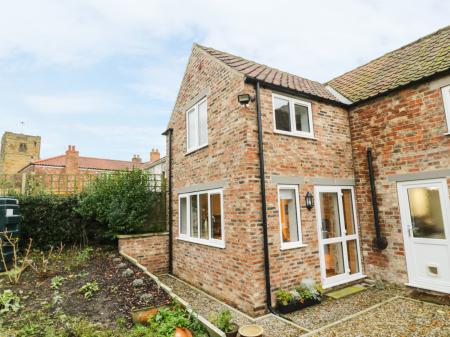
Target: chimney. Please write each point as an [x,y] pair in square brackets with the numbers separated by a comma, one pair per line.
[136,160]
[72,160]
[154,155]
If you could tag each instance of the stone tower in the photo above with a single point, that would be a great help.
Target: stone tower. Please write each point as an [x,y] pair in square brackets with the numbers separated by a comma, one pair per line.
[17,151]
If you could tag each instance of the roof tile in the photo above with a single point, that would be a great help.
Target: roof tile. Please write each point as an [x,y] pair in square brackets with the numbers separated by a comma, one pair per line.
[422,58]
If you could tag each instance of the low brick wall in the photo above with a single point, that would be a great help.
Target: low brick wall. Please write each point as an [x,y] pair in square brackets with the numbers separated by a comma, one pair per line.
[150,250]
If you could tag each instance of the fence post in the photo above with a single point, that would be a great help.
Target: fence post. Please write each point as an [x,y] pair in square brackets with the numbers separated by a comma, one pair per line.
[24,183]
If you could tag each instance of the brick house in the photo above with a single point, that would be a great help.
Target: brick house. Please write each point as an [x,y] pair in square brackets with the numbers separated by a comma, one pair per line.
[72,163]
[313,215]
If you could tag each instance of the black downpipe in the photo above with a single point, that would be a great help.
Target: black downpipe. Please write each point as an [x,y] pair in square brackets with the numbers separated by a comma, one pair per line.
[380,241]
[169,133]
[263,201]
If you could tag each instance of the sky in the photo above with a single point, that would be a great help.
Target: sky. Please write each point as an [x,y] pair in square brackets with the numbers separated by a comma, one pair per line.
[104,74]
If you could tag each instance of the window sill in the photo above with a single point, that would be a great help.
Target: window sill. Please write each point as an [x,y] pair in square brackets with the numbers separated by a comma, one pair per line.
[195,149]
[215,243]
[297,135]
[447,134]
[289,247]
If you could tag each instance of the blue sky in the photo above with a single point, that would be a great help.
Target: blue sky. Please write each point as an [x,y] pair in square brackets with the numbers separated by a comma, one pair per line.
[104,74]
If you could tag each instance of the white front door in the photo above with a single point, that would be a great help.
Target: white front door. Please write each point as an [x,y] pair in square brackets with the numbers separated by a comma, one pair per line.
[425,214]
[340,258]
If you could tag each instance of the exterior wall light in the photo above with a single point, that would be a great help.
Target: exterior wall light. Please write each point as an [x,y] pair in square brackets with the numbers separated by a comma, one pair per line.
[244,99]
[309,201]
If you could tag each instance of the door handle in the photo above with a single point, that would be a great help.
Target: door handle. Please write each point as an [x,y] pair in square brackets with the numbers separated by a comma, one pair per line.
[410,231]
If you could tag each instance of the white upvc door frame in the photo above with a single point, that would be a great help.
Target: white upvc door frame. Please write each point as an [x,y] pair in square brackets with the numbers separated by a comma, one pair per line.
[328,282]
[409,240]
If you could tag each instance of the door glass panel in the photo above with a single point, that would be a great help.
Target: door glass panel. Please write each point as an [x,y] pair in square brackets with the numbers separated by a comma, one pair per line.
[329,206]
[301,118]
[216,216]
[353,258]
[334,259]
[194,216]
[288,214]
[183,215]
[347,203]
[426,213]
[282,114]
[204,225]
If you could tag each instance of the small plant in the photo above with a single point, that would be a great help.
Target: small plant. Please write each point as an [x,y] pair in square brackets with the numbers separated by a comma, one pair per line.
[309,289]
[284,297]
[84,255]
[224,321]
[56,282]
[15,271]
[9,302]
[89,289]
[40,262]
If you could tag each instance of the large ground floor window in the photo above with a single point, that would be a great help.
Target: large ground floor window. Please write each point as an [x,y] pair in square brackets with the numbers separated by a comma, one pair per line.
[201,217]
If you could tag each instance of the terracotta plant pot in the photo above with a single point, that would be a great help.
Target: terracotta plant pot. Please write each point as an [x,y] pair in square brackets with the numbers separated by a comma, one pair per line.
[234,332]
[251,331]
[142,316]
[182,332]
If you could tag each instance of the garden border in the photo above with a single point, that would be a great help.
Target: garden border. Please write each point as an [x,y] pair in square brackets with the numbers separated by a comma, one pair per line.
[207,324]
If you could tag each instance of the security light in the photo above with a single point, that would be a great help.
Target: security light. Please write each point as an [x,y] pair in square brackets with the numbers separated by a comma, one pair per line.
[309,201]
[244,99]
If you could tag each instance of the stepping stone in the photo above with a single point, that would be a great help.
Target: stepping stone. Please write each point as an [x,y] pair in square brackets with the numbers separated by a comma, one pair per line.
[138,283]
[127,272]
[121,265]
[146,297]
[346,291]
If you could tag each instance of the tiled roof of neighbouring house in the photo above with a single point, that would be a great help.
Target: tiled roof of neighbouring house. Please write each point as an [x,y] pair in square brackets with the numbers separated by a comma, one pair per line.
[87,163]
[420,59]
[272,76]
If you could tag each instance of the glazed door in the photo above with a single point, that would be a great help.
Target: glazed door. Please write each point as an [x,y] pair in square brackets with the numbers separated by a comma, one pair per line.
[424,209]
[340,258]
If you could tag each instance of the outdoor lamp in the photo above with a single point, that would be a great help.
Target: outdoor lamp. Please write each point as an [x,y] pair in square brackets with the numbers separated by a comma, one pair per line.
[244,99]
[309,200]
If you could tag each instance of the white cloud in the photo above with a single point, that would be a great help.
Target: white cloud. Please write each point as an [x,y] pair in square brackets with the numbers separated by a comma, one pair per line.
[314,39]
[70,103]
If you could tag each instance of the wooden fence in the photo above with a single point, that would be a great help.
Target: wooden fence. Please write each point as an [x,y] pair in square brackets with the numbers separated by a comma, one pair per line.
[31,183]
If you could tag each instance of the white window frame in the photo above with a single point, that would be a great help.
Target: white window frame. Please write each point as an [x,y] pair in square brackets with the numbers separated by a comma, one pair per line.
[299,243]
[293,131]
[197,126]
[446,97]
[187,237]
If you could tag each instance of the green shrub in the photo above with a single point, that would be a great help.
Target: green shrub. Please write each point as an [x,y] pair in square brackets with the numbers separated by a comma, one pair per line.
[9,302]
[89,289]
[123,201]
[223,320]
[56,282]
[52,219]
[164,323]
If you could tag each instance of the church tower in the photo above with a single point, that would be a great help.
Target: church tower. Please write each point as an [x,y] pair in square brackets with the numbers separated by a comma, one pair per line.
[17,151]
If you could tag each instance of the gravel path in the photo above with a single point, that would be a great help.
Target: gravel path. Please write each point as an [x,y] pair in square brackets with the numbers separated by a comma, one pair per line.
[204,305]
[397,318]
[373,312]
[331,310]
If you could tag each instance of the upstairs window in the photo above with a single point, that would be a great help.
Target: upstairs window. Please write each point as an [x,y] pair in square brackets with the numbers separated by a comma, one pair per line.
[197,126]
[446,98]
[292,116]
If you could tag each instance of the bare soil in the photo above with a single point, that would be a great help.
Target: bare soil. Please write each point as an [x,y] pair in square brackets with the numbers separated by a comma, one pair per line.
[116,298]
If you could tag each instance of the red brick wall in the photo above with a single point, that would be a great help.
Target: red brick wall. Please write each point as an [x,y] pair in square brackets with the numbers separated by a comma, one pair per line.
[150,250]
[235,273]
[329,155]
[406,130]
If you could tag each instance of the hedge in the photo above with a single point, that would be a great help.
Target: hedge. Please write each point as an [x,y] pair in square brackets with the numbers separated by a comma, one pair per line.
[53,219]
